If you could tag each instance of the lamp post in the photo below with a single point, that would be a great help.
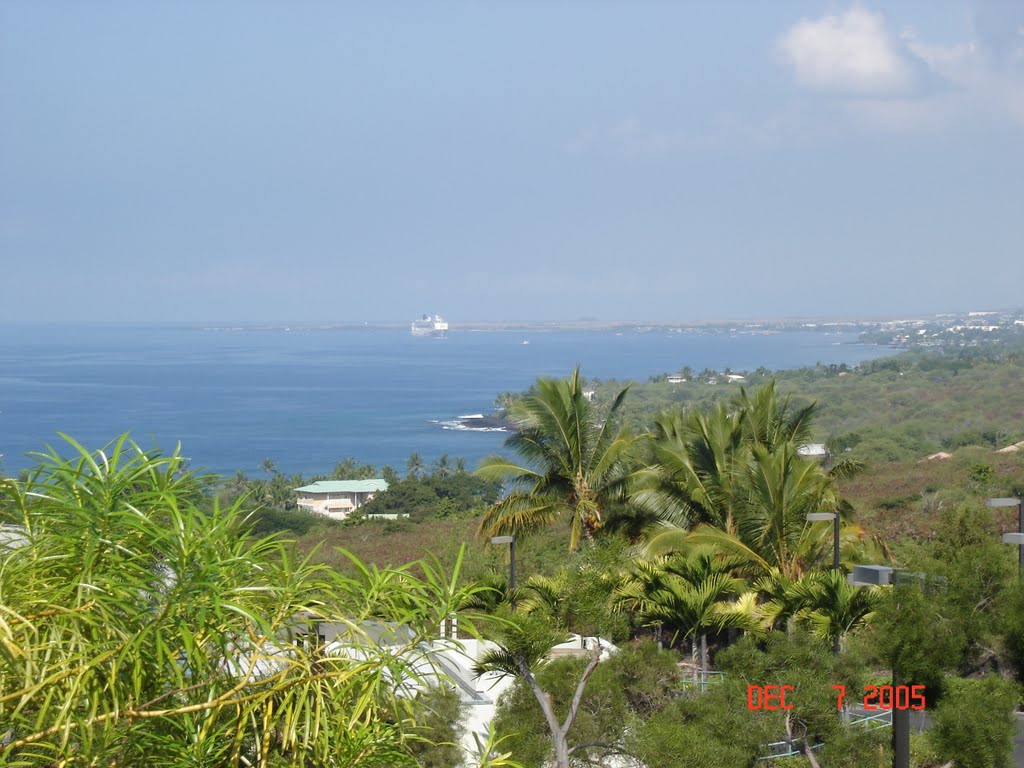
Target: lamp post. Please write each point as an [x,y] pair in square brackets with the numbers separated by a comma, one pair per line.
[816,517]
[511,541]
[1012,538]
[867,575]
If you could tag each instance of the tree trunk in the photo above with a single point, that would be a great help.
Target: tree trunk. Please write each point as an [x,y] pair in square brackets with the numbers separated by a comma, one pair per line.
[559,732]
[693,656]
[561,751]
[704,656]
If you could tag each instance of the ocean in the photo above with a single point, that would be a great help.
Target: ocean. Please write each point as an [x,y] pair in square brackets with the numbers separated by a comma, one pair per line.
[307,398]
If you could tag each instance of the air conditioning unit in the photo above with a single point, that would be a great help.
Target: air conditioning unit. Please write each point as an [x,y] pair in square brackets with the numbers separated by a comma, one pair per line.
[871,574]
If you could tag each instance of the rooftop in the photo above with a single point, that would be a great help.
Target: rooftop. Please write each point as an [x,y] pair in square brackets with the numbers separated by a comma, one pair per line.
[345,486]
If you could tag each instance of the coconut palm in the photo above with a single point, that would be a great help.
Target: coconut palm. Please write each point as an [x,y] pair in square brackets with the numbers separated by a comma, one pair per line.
[770,528]
[735,479]
[698,461]
[238,483]
[575,463]
[414,467]
[443,466]
[691,478]
[770,420]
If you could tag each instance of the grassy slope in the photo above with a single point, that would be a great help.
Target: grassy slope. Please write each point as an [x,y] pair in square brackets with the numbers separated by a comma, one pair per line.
[900,415]
[905,499]
[394,544]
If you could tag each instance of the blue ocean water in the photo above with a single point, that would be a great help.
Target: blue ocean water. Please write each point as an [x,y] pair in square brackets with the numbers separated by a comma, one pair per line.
[308,397]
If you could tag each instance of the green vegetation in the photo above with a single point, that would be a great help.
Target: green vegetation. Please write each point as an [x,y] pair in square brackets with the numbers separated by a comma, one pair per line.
[437,495]
[670,519]
[446,491]
[575,463]
[138,629]
[731,550]
[895,409]
[629,687]
[969,739]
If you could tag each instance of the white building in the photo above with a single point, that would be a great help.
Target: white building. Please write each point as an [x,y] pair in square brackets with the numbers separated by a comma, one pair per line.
[338,498]
[815,451]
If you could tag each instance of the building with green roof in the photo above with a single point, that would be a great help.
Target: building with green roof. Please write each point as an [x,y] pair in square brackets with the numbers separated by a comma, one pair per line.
[338,498]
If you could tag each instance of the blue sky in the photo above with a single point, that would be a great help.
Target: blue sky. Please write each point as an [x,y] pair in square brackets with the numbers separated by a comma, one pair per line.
[323,161]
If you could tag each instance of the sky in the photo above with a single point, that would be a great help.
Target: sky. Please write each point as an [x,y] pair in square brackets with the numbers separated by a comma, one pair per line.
[509,161]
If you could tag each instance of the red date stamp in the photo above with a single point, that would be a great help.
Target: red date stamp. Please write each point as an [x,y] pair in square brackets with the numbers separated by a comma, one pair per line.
[876,697]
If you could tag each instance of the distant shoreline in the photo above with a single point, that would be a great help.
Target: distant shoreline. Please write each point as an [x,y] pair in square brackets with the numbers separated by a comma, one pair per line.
[597,326]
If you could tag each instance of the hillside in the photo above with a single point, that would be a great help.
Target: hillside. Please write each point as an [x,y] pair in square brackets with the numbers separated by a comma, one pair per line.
[895,409]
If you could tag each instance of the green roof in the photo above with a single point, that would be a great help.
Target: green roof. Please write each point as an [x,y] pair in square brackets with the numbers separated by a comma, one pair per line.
[345,486]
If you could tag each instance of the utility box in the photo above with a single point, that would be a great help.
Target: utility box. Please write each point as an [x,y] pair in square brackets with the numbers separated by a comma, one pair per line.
[871,574]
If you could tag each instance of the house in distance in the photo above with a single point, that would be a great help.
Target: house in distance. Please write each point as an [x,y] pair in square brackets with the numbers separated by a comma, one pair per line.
[338,498]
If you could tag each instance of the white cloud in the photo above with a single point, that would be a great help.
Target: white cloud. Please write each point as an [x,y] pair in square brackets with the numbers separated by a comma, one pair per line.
[981,88]
[958,64]
[849,52]
[909,84]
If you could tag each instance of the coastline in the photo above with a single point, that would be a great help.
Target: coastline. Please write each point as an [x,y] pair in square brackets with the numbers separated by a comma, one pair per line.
[307,400]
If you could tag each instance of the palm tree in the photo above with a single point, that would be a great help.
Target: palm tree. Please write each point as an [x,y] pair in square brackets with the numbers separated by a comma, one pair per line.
[772,421]
[443,466]
[699,459]
[684,594]
[414,466]
[522,650]
[282,492]
[575,465]
[735,479]
[833,607]
[239,482]
[692,476]
[566,602]
[781,598]
[268,466]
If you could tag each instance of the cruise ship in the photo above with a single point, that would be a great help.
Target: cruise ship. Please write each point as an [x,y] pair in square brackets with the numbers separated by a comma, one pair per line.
[430,326]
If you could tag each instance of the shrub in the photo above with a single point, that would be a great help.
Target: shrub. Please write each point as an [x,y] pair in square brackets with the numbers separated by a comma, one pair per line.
[975,725]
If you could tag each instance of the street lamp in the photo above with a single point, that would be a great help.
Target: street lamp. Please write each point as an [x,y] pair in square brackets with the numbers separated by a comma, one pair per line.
[1012,538]
[867,575]
[817,517]
[511,541]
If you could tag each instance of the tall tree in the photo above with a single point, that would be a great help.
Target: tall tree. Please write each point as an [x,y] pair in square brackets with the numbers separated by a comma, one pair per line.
[735,478]
[350,469]
[695,460]
[414,466]
[443,465]
[522,651]
[575,462]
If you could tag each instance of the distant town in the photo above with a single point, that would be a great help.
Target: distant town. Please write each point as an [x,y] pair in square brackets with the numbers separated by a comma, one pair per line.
[951,329]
